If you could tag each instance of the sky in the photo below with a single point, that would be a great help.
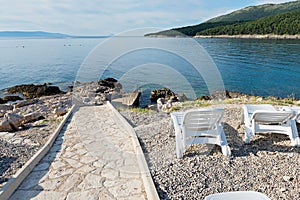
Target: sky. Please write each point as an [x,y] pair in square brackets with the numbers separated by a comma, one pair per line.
[105,17]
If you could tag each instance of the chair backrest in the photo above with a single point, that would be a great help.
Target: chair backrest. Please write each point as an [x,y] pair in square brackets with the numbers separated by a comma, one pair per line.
[272,116]
[195,121]
[251,108]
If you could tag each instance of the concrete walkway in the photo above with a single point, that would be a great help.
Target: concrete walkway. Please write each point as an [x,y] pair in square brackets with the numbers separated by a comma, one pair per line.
[92,158]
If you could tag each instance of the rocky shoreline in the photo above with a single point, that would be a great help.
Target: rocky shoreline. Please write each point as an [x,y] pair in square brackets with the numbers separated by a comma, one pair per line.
[26,124]
[269,36]
[254,36]
[18,145]
[260,166]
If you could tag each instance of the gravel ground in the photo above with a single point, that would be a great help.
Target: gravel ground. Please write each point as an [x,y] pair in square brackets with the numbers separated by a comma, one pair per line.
[268,164]
[18,147]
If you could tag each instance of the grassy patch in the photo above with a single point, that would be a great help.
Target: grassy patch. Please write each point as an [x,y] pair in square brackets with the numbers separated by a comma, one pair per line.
[44,121]
[139,110]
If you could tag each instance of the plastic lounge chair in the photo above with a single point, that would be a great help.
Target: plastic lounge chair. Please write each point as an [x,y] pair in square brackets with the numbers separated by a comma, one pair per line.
[239,195]
[265,118]
[296,111]
[199,126]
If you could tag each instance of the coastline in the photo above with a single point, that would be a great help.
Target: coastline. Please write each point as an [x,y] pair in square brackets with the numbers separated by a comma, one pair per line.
[165,169]
[268,36]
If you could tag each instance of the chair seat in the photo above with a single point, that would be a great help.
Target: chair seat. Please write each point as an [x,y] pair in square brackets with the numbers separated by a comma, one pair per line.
[199,126]
[265,118]
[239,195]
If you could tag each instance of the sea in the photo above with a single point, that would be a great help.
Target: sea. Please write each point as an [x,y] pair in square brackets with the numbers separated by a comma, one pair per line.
[264,67]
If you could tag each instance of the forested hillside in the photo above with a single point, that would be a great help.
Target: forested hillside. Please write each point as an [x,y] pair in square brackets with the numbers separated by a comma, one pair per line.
[286,23]
[237,18]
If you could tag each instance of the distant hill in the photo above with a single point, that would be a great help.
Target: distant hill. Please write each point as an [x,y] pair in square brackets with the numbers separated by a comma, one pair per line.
[256,12]
[32,34]
[280,24]
[247,14]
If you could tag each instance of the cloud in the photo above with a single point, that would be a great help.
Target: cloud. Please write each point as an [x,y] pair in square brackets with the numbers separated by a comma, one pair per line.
[101,17]
[83,16]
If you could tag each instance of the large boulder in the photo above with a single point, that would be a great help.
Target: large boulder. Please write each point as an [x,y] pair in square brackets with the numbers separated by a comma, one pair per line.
[108,82]
[164,93]
[2,101]
[25,103]
[60,111]
[33,91]
[107,85]
[14,120]
[4,125]
[32,117]
[10,122]
[12,98]
[4,107]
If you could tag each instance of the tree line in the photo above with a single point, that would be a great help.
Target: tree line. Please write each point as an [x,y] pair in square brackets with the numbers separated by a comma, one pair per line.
[280,24]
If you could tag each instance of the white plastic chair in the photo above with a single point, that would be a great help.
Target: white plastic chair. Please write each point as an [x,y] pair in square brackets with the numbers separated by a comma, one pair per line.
[199,126]
[239,195]
[295,109]
[265,118]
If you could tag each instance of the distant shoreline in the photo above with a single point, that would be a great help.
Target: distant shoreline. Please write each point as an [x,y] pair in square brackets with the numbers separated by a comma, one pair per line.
[269,36]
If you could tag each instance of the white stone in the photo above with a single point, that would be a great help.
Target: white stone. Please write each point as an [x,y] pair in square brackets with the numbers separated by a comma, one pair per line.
[74,163]
[57,165]
[31,117]
[90,194]
[71,182]
[110,174]
[50,184]
[127,188]
[53,174]
[91,181]
[87,159]
[85,169]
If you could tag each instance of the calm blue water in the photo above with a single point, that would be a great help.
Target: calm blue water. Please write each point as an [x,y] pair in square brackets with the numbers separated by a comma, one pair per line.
[260,67]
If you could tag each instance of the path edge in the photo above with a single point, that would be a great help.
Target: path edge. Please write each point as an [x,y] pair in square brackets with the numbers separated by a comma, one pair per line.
[146,175]
[14,182]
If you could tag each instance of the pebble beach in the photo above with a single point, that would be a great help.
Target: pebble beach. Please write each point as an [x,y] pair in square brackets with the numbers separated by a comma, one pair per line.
[17,147]
[268,164]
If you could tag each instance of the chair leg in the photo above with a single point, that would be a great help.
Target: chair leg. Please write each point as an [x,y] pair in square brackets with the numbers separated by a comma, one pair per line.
[226,150]
[293,134]
[179,146]
[298,142]
[247,134]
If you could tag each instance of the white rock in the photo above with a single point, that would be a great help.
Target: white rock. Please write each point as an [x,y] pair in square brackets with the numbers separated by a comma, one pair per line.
[259,99]
[31,117]
[283,189]
[14,120]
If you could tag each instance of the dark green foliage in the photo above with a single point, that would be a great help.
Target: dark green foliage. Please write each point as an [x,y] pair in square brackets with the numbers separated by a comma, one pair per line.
[190,30]
[286,23]
[236,18]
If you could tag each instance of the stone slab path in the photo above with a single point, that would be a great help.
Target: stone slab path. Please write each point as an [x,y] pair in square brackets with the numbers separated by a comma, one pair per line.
[92,158]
